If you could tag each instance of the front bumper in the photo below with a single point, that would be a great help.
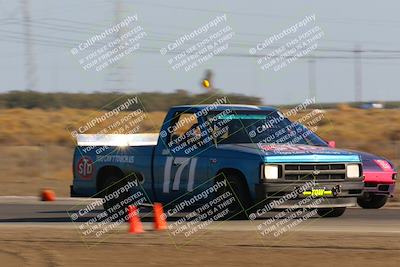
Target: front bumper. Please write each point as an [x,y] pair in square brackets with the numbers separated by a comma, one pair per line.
[379,189]
[346,196]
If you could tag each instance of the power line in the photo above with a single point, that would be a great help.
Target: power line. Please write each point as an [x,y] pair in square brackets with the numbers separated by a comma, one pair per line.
[155,50]
[270,16]
[66,28]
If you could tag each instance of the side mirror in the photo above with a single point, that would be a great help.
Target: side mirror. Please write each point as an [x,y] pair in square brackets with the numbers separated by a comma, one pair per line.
[332,144]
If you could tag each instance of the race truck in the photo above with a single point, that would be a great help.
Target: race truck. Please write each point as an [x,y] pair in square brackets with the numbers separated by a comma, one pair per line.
[263,156]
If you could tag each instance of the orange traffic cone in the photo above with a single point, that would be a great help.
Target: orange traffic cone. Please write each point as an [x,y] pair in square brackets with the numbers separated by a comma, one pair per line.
[135,225]
[160,222]
[48,195]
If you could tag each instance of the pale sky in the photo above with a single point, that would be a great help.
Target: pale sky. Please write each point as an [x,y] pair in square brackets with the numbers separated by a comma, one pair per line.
[58,26]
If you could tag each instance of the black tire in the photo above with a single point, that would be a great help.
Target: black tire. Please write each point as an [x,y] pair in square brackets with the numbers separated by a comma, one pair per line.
[331,212]
[240,191]
[372,201]
[113,182]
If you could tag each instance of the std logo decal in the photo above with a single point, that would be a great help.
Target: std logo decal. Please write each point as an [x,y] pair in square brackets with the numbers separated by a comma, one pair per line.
[85,167]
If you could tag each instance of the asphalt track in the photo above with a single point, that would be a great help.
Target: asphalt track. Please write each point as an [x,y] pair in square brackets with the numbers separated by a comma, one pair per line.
[29,210]
[35,233]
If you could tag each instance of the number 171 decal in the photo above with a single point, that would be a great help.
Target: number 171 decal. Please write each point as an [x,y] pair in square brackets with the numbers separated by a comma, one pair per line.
[182,163]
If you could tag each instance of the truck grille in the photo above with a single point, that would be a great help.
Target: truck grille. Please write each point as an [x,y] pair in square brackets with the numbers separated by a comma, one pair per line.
[306,171]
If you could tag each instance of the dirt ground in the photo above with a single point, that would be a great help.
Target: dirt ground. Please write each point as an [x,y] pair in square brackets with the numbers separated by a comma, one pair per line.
[45,246]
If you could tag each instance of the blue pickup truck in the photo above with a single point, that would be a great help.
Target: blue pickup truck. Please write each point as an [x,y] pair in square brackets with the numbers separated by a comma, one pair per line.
[262,154]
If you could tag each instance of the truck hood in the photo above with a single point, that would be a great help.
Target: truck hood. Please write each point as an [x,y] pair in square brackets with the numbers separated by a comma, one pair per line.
[281,153]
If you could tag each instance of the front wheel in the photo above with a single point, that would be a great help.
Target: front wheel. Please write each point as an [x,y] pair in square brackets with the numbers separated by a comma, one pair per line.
[372,201]
[238,189]
[331,212]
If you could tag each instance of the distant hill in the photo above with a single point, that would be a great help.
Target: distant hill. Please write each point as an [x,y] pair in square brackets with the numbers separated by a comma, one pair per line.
[153,101]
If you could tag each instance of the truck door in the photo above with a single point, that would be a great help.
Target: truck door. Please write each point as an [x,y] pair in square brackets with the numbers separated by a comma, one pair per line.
[179,164]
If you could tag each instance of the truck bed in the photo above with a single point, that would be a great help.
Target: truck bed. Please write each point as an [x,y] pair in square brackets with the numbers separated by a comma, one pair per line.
[128,152]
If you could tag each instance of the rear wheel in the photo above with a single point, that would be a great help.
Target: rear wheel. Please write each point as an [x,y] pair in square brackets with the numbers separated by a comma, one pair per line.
[372,201]
[331,212]
[114,206]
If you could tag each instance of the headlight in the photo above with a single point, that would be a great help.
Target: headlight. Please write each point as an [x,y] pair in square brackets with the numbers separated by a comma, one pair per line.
[353,171]
[271,171]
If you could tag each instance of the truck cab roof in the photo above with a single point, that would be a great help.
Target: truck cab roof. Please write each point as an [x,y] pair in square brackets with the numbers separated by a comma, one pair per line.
[226,106]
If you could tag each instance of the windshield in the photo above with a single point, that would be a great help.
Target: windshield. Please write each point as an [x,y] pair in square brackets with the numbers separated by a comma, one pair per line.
[269,127]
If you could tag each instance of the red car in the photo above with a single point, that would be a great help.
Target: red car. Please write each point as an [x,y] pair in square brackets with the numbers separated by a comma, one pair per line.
[379,182]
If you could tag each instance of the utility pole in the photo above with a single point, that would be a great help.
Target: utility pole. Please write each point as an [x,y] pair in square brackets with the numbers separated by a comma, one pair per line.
[312,78]
[120,74]
[30,73]
[357,74]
